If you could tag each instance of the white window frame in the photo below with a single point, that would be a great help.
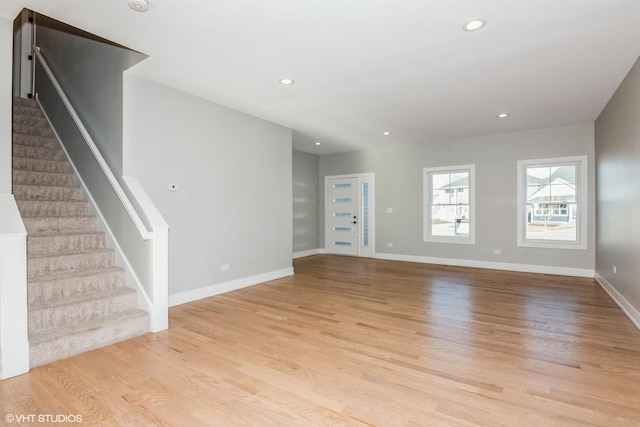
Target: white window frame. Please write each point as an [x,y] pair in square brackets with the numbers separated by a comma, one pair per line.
[581,203]
[427,173]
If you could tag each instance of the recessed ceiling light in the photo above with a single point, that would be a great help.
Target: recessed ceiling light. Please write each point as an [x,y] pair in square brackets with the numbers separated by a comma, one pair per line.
[474,24]
[386,133]
[318,143]
[139,5]
[502,115]
[286,81]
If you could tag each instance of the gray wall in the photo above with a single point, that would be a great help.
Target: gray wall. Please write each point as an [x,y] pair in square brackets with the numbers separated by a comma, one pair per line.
[233,172]
[89,70]
[6,57]
[137,251]
[398,171]
[306,195]
[617,140]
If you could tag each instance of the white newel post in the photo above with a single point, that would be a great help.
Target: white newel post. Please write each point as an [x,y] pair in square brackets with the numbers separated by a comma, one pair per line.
[160,315]
[14,342]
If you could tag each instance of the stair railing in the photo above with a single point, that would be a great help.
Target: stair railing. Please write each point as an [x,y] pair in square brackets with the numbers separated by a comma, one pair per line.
[147,256]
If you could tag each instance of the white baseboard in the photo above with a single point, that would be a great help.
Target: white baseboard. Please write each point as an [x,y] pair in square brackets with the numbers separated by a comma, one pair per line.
[303,254]
[524,268]
[632,313]
[220,288]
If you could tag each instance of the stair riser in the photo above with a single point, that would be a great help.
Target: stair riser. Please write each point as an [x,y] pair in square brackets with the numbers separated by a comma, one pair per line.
[39,165]
[42,225]
[49,351]
[40,266]
[89,311]
[41,192]
[52,208]
[21,177]
[43,291]
[35,131]
[34,141]
[44,153]
[44,245]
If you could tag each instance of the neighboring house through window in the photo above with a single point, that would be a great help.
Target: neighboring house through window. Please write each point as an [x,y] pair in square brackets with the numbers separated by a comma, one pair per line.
[449,204]
[552,203]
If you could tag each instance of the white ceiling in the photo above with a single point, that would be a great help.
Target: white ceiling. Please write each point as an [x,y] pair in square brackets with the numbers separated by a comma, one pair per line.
[365,66]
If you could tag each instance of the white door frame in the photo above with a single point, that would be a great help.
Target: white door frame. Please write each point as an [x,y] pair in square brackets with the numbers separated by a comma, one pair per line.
[368,178]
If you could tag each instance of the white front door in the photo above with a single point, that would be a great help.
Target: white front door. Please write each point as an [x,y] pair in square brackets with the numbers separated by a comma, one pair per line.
[342,199]
[349,214]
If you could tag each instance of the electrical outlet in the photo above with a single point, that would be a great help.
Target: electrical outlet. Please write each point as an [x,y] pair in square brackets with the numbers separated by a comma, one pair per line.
[389,245]
[614,269]
[224,267]
[389,210]
[497,251]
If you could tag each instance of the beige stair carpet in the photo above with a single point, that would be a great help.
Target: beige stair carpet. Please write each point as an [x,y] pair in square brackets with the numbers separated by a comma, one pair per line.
[77,298]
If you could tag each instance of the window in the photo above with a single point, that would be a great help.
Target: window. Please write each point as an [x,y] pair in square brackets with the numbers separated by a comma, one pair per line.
[552,203]
[449,204]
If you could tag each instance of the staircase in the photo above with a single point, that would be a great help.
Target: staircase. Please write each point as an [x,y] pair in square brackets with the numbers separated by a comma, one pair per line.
[77,298]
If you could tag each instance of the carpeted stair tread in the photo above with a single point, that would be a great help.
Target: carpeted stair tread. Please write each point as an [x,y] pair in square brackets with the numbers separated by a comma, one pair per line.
[39,337]
[66,241]
[40,165]
[34,141]
[52,208]
[22,177]
[84,298]
[42,265]
[46,192]
[39,224]
[35,152]
[81,308]
[28,102]
[65,342]
[33,131]
[31,120]
[20,112]
[71,284]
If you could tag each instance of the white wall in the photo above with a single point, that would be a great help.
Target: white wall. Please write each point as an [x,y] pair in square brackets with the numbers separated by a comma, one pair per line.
[398,172]
[617,149]
[234,200]
[6,59]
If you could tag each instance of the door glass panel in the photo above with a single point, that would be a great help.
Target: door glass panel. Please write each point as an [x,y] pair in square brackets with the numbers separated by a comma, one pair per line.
[365,214]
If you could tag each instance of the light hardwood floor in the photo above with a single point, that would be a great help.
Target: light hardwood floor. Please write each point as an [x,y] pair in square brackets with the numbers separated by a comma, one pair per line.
[362,342]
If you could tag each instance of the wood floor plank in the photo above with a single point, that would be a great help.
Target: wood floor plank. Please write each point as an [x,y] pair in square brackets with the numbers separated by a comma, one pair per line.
[362,342]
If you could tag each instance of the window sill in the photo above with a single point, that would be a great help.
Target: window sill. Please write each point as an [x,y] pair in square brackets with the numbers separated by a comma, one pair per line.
[454,240]
[552,245]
